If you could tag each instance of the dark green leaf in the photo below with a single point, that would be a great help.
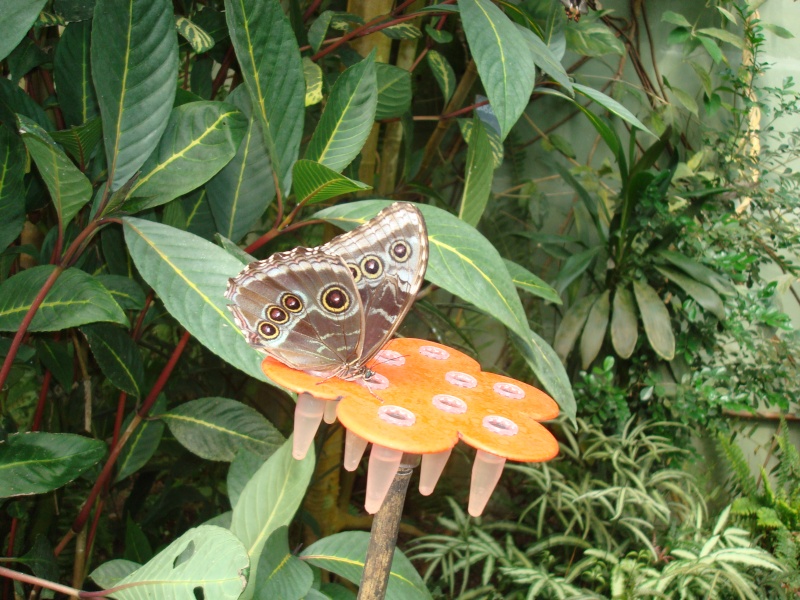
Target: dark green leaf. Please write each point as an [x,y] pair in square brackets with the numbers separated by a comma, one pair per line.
[478,175]
[35,463]
[594,332]
[440,36]
[25,57]
[74,10]
[127,292]
[528,282]
[574,267]
[314,183]
[12,192]
[14,101]
[18,18]
[80,140]
[280,573]
[142,444]
[319,29]
[134,68]
[57,358]
[41,559]
[699,272]
[72,73]
[657,324]
[117,355]
[394,91]
[624,323]
[704,295]
[571,326]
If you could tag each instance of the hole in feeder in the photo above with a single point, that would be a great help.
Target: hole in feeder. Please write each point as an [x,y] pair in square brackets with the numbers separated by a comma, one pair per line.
[509,390]
[397,415]
[449,404]
[391,358]
[434,352]
[500,425]
[461,379]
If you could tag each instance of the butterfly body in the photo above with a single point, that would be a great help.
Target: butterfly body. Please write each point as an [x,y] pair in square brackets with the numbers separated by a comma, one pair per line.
[330,309]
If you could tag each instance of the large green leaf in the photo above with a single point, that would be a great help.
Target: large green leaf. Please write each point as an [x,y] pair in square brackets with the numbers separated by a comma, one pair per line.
[190,275]
[314,183]
[504,61]
[544,58]
[495,143]
[571,326]
[110,573]
[443,73]
[12,192]
[134,69]
[704,295]
[528,282]
[593,38]
[18,18]
[273,73]
[34,463]
[142,444]
[478,175]
[215,428]
[117,355]
[344,554]
[347,119]
[657,324]
[269,501]
[75,299]
[280,573]
[200,139]
[394,91]
[14,100]
[466,264]
[240,193]
[69,189]
[205,562]
[594,332]
[73,75]
[624,323]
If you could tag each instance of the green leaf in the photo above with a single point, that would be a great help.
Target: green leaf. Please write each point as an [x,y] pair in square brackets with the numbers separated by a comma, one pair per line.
[69,189]
[528,282]
[676,19]
[134,68]
[269,501]
[41,559]
[117,355]
[73,74]
[394,91]
[240,193]
[572,325]
[215,428]
[75,299]
[503,59]
[314,183]
[35,463]
[594,332]
[699,272]
[313,76]
[12,191]
[347,119]
[440,36]
[80,140]
[443,73]
[18,17]
[402,31]
[593,38]
[495,142]
[58,359]
[344,554]
[478,175]
[624,323]
[544,58]
[273,73]
[14,100]
[319,29]
[127,292]
[280,573]
[198,39]
[712,48]
[74,10]
[141,446]
[657,324]
[704,295]
[723,35]
[243,467]
[200,139]
[781,32]
[685,99]
[574,267]
[112,572]
[205,562]
[190,276]
[612,106]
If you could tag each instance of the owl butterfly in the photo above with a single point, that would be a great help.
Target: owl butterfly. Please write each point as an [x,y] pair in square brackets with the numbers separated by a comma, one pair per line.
[576,8]
[330,309]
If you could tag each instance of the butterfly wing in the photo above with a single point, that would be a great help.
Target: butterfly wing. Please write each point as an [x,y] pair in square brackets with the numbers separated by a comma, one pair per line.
[387,257]
[301,307]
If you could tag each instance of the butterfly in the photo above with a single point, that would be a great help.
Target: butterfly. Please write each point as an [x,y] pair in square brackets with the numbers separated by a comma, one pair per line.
[328,310]
[576,8]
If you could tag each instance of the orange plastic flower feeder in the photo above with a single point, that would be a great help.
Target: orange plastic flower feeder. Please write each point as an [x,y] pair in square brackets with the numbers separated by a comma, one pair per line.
[422,399]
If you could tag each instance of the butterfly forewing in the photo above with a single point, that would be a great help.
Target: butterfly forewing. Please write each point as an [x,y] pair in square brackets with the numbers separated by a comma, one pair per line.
[302,307]
[387,257]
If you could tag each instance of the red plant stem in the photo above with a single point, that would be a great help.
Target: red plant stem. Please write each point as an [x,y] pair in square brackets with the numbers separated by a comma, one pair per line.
[25,578]
[311,9]
[273,233]
[83,516]
[37,419]
[93,529]
[223,72]
[12,535]
[119,418]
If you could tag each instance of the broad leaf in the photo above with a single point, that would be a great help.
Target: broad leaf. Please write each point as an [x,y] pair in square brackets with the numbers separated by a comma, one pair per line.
[574,267]
[503,59]
[344,554]
[280,573]
[117,355]
[443,73]
[205,562]
[35,463]
[18,18]
[191,275]
[14,100]
[624,323]
[571,326]
[127,292]
[57,357]
[394,91]
[134,68]
[141,445]
[81,140]
[243,467]
[314,183]
[528,282]
[594,332]
[699,272]
[75,299]
[495,143]
[269,501]
[704,295]
[611,105]
[240,193]
[592,38]
[478,175]
[216,428]
[12,192]
[112,572]
[544,58]
[657,324]
[69,189]
[73,74]
[200,139]
[347,119]
[273,73]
